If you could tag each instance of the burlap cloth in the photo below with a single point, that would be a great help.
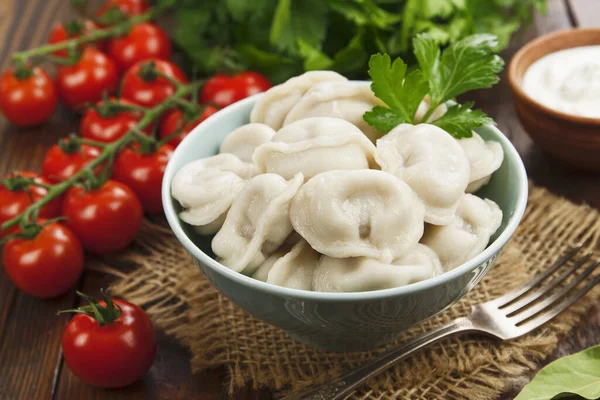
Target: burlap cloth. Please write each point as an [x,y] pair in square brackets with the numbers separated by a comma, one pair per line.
[185,305]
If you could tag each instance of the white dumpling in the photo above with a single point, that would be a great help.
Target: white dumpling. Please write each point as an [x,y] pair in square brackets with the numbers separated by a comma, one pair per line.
[345,100]
[424,107]
[273,106]
[257,223]
[295,269]
[362,274]
[475,222]
[315,145]
[358,213]
[262,272]
[206,188]
[484,158]
[431,162]
[244,140]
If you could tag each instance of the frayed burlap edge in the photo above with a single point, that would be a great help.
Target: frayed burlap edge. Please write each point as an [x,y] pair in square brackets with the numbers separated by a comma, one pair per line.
[186,306]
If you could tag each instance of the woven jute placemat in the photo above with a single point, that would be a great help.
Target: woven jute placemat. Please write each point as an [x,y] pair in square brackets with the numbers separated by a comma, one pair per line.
[185,305]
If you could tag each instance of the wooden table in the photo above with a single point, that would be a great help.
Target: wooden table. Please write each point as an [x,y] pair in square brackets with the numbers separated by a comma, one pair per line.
[31,365]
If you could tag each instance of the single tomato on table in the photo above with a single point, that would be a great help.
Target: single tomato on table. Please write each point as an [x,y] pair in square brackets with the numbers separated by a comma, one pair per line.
[143,173]
[16,195]
[111,348]
[143,41]
[174,120]
[224,90]
[70,30]
[65,159]
[142,86]
[106,219]
[107,122]
[127,7]
[47,264]
[88,79]
[27,96]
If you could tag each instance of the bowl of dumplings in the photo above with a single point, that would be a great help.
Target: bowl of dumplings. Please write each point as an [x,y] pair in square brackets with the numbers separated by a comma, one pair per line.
[303,215]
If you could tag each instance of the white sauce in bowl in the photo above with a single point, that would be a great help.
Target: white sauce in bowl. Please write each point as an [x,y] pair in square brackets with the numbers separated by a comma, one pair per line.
[567,81]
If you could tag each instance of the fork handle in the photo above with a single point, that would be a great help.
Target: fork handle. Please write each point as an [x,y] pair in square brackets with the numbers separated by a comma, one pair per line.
[342,386]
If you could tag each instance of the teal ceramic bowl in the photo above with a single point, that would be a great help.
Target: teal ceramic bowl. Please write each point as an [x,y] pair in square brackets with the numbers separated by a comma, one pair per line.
[342,321]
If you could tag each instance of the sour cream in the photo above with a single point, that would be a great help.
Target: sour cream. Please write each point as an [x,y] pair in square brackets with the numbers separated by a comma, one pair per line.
[567,81]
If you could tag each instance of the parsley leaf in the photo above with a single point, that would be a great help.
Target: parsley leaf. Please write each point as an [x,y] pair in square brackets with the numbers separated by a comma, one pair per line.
[402,93]
[466,65]
[460,120]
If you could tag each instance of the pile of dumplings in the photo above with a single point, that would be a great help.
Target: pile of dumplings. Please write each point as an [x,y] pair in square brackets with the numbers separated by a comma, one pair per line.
[309,196]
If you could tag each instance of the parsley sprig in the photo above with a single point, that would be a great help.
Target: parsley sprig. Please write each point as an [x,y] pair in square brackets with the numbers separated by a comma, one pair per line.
[466,65]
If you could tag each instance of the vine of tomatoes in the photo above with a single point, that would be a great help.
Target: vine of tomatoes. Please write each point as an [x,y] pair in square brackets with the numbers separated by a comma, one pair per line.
[95,186]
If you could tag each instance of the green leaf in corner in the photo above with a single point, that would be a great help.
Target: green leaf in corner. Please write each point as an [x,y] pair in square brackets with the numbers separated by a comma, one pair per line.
[460,120]
[577,374]
[400,92]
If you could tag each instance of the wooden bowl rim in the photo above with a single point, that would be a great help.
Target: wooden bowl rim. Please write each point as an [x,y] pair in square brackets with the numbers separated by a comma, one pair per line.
[517,59]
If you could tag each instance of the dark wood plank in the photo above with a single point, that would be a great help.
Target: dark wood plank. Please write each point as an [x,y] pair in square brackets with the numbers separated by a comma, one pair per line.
[586,13]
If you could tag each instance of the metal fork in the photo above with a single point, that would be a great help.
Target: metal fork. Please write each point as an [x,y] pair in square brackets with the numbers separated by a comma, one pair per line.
[507,317]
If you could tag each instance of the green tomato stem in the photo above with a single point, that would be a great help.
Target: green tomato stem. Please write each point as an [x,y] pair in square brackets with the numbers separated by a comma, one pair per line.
[108,154]
[94,36]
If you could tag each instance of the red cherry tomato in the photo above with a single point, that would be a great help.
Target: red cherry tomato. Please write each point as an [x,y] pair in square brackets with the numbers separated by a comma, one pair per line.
[71,30]
[224,90]
[143,41]
[127,7]
[59,164]
[14,202]
[151,91]
[106,219]
[173,120]
[86,81]
[46,265]
[108,128]
[115,354]
[27,101]
[143,173]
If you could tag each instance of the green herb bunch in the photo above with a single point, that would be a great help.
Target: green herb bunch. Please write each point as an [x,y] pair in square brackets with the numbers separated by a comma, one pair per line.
[283,38]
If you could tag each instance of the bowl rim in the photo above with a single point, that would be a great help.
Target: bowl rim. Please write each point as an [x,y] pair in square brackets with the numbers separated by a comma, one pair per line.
[518,89]
[280,291]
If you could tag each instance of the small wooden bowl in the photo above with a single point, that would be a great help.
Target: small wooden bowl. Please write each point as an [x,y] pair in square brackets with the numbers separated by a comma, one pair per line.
[572,139]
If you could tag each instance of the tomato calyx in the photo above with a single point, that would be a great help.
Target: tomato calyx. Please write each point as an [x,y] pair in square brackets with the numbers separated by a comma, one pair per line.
[108,108]
[112,16]
[74,55]
[70,144]
[104,315]
[29,230]
[74,27]
[148,71]
[22,71]
[17,182]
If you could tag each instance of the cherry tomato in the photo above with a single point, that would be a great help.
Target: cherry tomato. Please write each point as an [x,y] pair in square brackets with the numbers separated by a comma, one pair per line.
[27,100]
[86,81]
[108,128]
[150,91]
[115,353]
[14,202]
[106,219]
[46,265]
[62,163]
[224,90]
[144,41]
[173,120]
[71,30]
[143,173]
[127,7]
